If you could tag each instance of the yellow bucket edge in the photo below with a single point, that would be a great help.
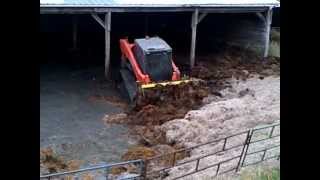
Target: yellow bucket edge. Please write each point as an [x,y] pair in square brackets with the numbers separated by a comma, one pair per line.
[151,85]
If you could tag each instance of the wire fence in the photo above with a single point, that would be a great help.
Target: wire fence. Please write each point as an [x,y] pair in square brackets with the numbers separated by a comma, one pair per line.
[196,161]
[220,156]
[234,152]
[268,150]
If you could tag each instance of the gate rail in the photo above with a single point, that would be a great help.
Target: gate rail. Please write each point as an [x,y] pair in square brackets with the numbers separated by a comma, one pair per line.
[242,156]
[105,167]
[265,150]
[197,160]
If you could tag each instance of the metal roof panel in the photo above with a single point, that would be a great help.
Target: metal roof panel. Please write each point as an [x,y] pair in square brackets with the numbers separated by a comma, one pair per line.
[156,3]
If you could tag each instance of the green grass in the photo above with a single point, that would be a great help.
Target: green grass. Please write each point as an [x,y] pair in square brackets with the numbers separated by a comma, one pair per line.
[274,49]
[261,174]
[275,35]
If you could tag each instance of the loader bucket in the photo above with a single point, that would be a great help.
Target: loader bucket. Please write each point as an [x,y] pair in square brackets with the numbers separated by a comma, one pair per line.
[170,83]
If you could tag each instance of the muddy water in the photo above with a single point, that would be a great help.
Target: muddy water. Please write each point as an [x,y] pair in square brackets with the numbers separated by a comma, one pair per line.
[71,123]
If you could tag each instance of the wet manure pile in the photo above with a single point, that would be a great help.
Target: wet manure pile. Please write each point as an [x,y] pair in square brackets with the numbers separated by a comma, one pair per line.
[153,108]
[160,104]
[164,103]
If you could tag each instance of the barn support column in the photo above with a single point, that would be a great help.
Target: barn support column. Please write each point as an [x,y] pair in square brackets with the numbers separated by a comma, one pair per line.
[194,23]
[268,21]
[195,20]
[107,22]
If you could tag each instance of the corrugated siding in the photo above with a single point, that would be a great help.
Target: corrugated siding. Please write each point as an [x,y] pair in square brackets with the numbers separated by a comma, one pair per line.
[165,3]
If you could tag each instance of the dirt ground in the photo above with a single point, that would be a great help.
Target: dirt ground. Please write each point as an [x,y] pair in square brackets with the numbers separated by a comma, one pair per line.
[72,104]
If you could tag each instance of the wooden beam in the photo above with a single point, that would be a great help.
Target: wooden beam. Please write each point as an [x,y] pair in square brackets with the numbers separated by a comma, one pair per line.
[97,18]
[107,26]
[194,22]
[203,15]
[259,14]
[88,10]
[267,34]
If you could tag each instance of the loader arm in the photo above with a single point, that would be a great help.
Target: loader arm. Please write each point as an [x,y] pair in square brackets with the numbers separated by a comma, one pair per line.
[176,73]
[126,50]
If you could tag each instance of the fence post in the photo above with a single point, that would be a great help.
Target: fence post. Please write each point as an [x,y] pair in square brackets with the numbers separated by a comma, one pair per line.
[174,159]
[197,165]
[264,154]
[271,133]
[224,144]
[107,173]
[244,150]
[144,164]
[217,171]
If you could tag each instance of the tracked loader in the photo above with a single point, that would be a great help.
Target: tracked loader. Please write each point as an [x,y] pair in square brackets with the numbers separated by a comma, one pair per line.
[146,63]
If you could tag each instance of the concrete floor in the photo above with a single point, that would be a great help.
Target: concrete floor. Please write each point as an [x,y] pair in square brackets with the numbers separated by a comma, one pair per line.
[72,124]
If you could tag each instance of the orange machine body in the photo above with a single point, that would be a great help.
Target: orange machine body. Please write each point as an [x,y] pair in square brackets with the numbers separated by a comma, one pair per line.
[127,53]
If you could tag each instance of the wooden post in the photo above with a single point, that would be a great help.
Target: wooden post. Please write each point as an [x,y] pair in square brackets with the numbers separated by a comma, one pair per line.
[107,26]
[267,34]
[194,22]
[74,32]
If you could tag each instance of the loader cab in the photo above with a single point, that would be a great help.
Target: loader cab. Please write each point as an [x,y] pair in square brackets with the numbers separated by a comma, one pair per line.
[154,57]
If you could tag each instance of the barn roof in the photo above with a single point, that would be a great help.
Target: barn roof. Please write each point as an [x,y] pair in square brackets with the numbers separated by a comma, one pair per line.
[154,5]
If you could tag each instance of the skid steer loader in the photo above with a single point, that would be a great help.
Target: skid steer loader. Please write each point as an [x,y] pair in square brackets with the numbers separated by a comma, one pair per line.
[146,63]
